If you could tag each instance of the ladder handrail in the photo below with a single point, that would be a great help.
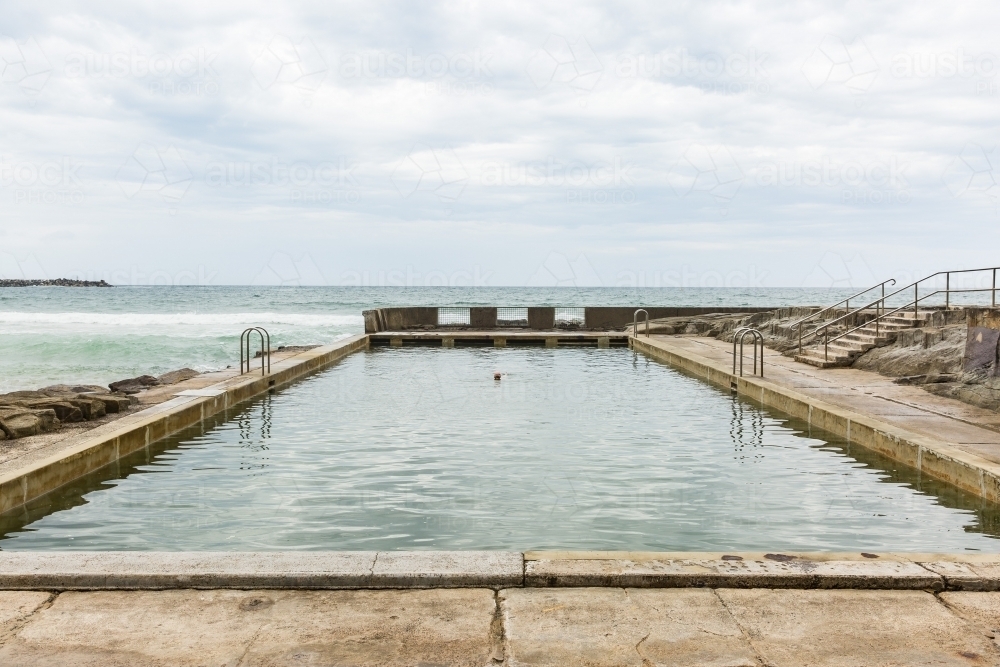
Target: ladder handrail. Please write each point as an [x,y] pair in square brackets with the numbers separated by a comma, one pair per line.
[245,340]
[741,333]
[635,322]
[846,301]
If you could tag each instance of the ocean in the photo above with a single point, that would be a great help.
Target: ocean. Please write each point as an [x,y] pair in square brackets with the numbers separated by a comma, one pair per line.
[54,335]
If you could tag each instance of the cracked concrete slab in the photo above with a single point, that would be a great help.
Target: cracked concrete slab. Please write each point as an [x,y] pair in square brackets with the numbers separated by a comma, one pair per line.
[520,626]
[420,627]
[174,628]
[613,626]
[187,627]
[15,606]
[980,609]
[791,627]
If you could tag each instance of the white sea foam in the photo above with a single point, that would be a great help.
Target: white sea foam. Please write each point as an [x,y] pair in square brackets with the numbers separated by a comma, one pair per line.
[143,320]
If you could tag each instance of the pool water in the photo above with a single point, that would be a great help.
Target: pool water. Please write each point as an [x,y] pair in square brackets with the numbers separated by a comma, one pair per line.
[582,448]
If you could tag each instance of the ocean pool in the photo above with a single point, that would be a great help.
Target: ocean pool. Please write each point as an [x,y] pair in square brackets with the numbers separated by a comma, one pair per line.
[574,448]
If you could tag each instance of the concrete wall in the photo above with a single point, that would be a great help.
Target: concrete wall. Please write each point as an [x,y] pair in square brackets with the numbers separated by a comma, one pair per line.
[399,319]
[541,318]
[483,318]
[983,341]
[403,319]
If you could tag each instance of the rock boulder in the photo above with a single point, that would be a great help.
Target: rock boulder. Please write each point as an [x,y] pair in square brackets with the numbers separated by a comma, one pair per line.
[134,385]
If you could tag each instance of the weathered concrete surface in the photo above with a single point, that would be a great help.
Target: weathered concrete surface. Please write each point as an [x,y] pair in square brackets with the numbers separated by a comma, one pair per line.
[558,626]
[733,571]
[141,628]
[439,627]
[445,627]
[945,438]
[965,575]
[126,570]
[123,570]
[602,626]
[856,628]
[16,606]
[421,569]
[982,610]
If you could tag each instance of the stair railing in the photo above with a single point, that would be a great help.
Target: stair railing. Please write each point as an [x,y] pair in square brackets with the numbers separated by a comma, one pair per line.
[847,306]
[879,304]
[827,341]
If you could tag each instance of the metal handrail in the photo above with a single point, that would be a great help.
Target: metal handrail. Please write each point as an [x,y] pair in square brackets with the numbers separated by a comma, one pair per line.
[880,303]
[947,275]
[740,334]
[847,303]
[827,341]
[635,322]
[245,345]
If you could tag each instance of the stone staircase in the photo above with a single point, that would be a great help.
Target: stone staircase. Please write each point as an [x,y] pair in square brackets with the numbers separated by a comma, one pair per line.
[844,351]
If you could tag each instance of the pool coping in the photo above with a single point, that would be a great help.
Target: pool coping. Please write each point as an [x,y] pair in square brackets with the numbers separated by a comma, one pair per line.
[929,455]
[122,570]
[141,429]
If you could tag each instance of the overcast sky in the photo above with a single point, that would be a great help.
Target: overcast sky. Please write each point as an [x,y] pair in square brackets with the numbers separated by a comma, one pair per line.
[769,144]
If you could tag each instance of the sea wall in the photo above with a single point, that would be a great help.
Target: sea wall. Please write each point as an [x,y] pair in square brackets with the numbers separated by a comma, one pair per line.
[485,317]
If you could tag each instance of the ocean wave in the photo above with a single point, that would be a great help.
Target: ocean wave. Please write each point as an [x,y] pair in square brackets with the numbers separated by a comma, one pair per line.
[181,319]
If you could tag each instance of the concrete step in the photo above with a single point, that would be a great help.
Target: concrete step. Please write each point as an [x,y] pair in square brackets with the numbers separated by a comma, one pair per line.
[867,337]
[815,358]
[848,349]
[906,319]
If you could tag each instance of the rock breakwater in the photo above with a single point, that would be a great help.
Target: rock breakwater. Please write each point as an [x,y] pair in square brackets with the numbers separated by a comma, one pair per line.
[58,282]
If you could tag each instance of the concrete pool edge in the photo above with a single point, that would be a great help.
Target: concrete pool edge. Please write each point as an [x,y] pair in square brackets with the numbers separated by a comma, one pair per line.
[333,570]
[139,430]
[934,457]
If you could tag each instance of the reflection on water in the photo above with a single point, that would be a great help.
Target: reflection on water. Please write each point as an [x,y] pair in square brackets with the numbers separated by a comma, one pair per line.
[573,448]
[747,430]
[254,428]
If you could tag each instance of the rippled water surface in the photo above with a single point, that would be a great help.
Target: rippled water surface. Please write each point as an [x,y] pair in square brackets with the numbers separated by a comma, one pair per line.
[574,448]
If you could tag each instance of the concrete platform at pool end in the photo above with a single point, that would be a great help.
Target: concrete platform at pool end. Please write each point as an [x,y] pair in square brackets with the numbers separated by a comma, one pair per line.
[516,626]
[498,608]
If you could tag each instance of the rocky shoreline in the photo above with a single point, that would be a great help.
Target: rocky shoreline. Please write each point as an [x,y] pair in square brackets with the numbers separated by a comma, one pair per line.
[58,282]
[28,413]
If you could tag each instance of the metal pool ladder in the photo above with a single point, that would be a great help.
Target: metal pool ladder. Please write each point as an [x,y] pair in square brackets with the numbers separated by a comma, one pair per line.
[245,347]
[635,322]
[740,334]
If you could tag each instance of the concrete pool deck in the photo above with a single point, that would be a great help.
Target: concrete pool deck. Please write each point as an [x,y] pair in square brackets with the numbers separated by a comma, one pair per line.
[942,437]
[498,608]
[511,626]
